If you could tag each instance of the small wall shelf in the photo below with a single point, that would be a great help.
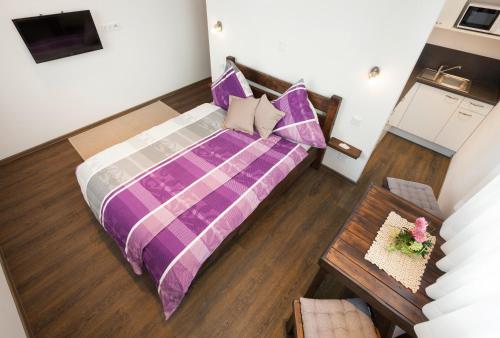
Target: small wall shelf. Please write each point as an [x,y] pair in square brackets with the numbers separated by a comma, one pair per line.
[344,148]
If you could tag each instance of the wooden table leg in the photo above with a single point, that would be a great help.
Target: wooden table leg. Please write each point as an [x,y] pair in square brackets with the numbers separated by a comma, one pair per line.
[316,283]
[384,326]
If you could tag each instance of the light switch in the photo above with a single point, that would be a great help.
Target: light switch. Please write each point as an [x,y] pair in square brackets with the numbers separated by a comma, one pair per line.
[282,46]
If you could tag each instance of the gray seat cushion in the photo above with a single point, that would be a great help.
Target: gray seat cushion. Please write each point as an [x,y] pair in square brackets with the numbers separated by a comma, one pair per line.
[336,318]
[420,194]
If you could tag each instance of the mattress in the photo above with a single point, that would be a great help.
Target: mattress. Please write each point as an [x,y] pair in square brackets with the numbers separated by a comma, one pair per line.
[169,196]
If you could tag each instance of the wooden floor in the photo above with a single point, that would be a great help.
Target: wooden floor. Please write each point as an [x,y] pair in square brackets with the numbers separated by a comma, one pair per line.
[73,281]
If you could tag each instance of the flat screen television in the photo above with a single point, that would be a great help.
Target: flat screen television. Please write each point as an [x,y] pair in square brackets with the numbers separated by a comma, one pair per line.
[50,37]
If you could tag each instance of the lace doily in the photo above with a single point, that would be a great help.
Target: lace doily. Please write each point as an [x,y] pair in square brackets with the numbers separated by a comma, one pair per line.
[407,270]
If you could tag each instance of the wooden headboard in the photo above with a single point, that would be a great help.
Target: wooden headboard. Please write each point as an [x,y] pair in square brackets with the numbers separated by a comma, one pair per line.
[328,105]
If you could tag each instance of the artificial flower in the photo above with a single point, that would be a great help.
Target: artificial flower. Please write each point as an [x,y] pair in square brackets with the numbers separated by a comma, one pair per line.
[419,235]
[421,224]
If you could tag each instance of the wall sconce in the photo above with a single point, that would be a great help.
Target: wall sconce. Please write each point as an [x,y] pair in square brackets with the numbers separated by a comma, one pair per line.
[217,27]
[374,72]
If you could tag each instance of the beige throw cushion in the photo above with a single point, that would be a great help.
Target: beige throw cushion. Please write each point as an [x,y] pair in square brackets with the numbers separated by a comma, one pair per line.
[266,117]
[240,114]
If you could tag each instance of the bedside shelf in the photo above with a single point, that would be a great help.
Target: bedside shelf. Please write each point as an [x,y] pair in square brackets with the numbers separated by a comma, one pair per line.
[352,151]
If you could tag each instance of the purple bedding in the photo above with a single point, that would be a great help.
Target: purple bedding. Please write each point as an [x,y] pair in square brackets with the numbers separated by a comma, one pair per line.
[169,217]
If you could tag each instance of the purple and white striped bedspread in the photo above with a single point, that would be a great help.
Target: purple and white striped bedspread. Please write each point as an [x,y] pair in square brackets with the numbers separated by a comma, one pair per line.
[171,195]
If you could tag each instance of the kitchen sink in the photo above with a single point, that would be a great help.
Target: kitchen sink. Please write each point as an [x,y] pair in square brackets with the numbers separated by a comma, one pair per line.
[445,80]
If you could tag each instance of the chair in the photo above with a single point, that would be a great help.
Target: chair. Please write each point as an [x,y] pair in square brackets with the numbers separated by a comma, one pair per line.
[332,318]
[419,194]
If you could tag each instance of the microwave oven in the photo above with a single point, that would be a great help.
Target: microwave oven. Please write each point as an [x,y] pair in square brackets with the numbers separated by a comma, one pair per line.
[480,17]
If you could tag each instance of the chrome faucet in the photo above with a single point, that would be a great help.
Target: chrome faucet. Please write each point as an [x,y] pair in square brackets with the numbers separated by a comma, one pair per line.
[441,70]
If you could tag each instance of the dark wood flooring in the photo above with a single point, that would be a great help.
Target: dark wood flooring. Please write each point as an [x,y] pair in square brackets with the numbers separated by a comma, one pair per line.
[73,282]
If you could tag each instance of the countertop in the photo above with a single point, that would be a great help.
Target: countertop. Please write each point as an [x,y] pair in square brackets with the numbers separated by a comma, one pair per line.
[481,91]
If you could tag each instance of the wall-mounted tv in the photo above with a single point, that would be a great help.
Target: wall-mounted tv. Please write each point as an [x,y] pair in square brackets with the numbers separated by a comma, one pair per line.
[50,37]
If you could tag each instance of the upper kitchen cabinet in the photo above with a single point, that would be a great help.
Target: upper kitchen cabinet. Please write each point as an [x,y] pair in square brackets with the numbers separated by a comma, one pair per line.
[450,13]
[479,18]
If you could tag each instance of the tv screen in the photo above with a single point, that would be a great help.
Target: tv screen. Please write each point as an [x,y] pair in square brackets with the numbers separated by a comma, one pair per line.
[55,36]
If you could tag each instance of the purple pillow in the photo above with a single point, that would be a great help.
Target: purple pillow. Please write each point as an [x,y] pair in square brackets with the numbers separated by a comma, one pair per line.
[231,82]
[300,123]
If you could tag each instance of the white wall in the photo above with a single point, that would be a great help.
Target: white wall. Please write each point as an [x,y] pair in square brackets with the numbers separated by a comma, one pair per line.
[332,44]
[10,322]
[473,165]
[162,45]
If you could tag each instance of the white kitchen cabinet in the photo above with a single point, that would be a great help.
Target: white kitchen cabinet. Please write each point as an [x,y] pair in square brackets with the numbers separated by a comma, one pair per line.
[448,17]
[436,118]
[460,126]
[450,13]
[400,109]
[476,106]
[429,111]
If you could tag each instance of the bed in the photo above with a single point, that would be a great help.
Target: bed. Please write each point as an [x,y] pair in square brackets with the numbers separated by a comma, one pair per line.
[174,196]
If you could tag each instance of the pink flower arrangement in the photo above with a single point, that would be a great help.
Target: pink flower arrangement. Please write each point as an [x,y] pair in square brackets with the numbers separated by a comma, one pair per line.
[419,231]
[414,241]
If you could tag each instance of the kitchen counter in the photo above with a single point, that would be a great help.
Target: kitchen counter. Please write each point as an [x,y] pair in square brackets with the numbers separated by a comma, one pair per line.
[481,91]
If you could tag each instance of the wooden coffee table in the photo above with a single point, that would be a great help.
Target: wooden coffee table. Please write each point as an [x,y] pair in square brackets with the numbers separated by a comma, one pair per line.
[344,258]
